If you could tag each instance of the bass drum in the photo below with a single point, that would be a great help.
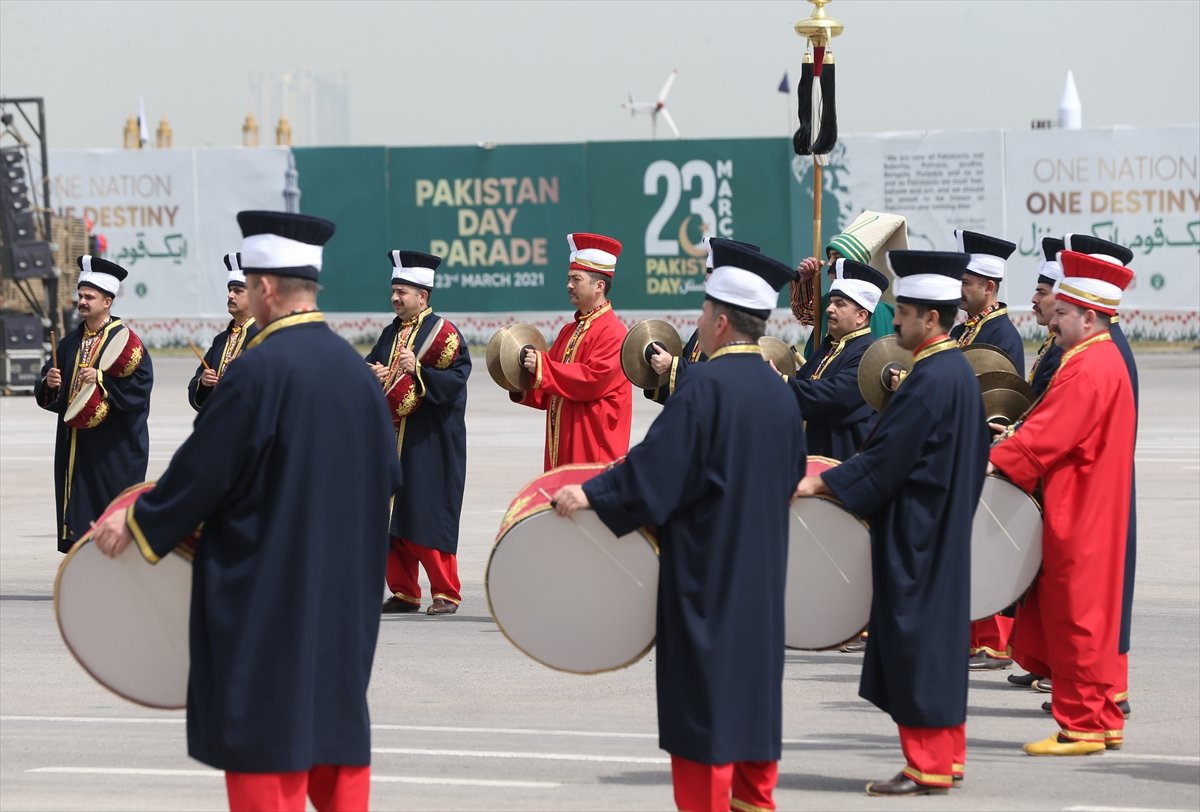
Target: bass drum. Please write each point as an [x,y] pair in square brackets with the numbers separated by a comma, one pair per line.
[829,588]
[567,592]
[1006,546]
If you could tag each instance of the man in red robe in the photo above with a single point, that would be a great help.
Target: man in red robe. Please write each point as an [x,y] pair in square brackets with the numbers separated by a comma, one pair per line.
[1078,443]
[579,382]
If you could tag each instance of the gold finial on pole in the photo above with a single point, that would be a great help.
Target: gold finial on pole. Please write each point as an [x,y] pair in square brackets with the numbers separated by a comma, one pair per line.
[164,135]
[250,131]
[130,136]
[820,28]
[283,133]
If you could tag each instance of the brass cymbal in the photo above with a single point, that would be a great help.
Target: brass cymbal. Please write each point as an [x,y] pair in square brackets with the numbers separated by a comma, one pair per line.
[878,360]
[493,358]
[634,362]
[1004,380]
[1004,405]
[777,350]
[986,358]
[515,338]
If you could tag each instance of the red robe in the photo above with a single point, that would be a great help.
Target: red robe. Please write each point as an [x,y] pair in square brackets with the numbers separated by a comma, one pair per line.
[587,398]
[1078,442]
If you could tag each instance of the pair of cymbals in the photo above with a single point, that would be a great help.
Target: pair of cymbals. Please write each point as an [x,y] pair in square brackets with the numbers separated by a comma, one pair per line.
[875,370]
[787,359]
[986,358]
[637,350]
[504,355]
[1006,396]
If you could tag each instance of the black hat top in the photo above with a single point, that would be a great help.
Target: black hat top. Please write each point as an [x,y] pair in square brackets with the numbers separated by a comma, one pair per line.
[1087,244]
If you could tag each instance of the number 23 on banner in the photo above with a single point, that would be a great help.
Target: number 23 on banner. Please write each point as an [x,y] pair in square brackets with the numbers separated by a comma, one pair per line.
[711,201]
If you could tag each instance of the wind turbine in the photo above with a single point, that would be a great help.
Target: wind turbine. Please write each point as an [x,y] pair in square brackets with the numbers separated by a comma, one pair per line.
[655,108]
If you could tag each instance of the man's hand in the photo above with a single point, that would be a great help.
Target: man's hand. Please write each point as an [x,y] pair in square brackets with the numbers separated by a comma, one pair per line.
[87,375]
[998,429]
[660,362]
[111,535]
[569,499]
[380,372]
[810,486]
[53,378]
[991,469]
[208,378]
[529,360]
[808,269]
[407,360]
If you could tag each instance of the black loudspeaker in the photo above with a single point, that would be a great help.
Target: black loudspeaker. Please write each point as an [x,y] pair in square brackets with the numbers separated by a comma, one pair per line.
[25,257]
[20,331]
[32,260]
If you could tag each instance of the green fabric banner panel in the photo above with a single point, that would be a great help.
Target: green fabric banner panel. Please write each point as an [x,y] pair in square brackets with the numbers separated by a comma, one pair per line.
[659,198]
[348,185]
[498,217]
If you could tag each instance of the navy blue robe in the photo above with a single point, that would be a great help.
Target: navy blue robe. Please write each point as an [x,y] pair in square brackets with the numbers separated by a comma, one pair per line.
[1045,365]
[691,350]
[881,319]
[92,466]
[290,467]
[837,419]
[715,475]
[1122,344]
[432,444]
[917,482]
[198,394]
[997,331]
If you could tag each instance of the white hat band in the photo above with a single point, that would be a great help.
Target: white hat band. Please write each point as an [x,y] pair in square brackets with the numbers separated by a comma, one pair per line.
[594,256]
[742,288]
[236,278]
[422,277]
[267,251]
[931,287]
[105,281]
[861,292]
[986,265]
[1087,289]
[1051,270]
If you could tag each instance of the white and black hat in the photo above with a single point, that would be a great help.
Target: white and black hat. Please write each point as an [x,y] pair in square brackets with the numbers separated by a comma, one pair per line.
[746,279]
[988,254]
[100,274]
[282,243]
[1051,269]
[931,278]
[858,282]
[233,264]
[414,268]
[1095,247]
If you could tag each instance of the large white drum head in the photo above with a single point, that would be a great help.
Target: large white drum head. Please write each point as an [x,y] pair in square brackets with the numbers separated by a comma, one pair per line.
[1006,547]
[828,598]
[126,621]
[570,595]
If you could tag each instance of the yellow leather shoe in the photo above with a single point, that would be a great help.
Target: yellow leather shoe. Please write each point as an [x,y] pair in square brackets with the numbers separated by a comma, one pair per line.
[1053,747]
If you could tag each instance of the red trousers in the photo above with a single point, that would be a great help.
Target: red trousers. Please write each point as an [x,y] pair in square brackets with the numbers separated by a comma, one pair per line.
[331,787]
[746,786]
[992,635]
[441,569]
[935,755]
[1087,711]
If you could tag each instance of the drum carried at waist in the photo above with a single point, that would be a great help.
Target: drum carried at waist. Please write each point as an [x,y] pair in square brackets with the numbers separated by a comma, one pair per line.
[437,351]
[829,587]
[566,591]
[1006,546]
[122,355]
[87,409]
[126,620]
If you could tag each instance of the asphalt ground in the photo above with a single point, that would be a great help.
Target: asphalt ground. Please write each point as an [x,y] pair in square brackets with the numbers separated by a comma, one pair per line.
[463,720]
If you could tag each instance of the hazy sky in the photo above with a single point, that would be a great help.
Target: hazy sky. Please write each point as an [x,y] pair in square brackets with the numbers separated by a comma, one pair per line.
[462,72]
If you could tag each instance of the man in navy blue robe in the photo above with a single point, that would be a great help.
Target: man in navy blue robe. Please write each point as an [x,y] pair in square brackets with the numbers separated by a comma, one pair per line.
[987,318]
[836,418]
[712,475]
[1050,353]
[289,468]
[94,464]
[917,482]
[422,362]
[229,343]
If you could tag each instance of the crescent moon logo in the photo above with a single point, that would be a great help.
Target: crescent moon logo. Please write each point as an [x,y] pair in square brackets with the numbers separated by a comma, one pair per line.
[690,248]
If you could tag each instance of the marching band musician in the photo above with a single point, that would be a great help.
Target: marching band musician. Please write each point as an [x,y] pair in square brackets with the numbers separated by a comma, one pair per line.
[917,481]
[987,317]
[427,398]
[94,464]
[709,474]
[1050,353]
[289,469]
[228,343]
[662,361]
[1078,443]
[579,382]
[836,416]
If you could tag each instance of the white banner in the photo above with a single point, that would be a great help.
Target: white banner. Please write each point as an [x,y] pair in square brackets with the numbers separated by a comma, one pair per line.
[1138,187]
[169,217]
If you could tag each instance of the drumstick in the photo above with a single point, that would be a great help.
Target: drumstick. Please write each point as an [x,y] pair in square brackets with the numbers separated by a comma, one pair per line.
[804,524]
[999,523]
[589,537]
[53,349]
[199,354]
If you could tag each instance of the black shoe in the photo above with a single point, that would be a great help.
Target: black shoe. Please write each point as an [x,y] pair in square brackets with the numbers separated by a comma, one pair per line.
[396,605]
[1042,684]
[902,785]
[857,644]
[1123,705]
[1047,707]
[1023,680]
[982,661]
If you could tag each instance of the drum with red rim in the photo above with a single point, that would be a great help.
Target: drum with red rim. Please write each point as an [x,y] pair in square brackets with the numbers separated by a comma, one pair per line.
[567,592]
[87,409]
[436,352]
[829,588]
[122,354]
[126,620]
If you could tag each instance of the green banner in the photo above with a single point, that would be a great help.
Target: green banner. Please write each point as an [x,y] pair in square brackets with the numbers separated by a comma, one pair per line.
[499,218]
[660,198]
